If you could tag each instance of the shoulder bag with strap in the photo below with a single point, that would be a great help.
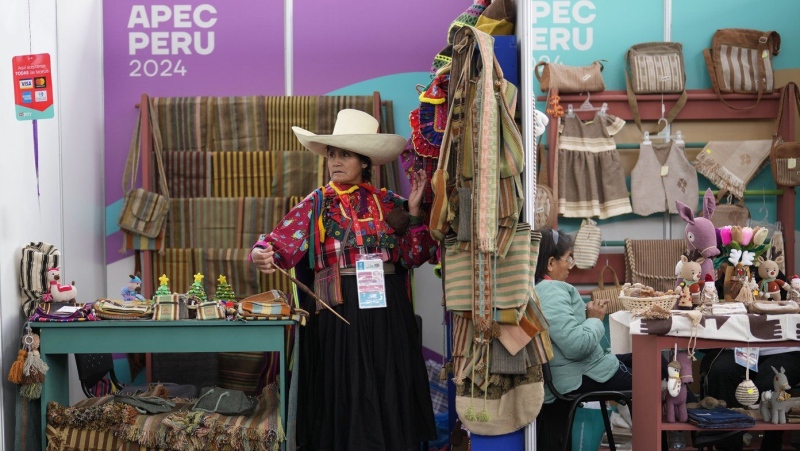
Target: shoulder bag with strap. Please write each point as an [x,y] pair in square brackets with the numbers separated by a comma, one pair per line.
[144,212]
[655,68]
[785,156]
[740,61]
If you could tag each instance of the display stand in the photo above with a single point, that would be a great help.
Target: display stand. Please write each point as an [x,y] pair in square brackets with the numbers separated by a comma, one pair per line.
[58,340]
[702,104]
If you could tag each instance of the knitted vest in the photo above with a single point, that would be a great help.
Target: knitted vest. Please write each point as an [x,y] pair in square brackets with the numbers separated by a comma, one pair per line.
[667,163]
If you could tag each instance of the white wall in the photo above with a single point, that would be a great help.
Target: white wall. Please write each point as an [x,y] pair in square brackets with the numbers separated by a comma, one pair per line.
[68,213]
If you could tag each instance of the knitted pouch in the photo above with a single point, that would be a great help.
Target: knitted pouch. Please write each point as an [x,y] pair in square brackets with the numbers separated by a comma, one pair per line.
[587,244]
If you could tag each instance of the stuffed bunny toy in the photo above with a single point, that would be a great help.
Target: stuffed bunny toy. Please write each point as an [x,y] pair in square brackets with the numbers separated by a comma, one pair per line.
[700,233]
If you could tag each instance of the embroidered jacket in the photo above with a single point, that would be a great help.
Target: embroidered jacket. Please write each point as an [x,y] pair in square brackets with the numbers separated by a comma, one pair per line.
[324,217]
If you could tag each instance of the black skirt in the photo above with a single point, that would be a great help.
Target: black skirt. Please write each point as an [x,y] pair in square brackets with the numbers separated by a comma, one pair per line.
[364,386]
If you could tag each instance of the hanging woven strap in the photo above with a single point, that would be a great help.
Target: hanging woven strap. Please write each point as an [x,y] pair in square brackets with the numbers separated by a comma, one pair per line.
[134,152]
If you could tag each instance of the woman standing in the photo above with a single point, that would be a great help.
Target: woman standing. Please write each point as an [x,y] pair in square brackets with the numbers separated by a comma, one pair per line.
[370,380]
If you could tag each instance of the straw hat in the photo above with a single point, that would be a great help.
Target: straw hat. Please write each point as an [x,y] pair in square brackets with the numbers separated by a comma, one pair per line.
[357,132]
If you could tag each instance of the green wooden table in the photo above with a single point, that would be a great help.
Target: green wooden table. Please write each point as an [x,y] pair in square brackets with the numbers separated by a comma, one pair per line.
[58,340]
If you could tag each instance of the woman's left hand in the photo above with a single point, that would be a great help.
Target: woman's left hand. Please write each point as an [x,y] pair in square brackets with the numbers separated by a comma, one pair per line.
[418,184]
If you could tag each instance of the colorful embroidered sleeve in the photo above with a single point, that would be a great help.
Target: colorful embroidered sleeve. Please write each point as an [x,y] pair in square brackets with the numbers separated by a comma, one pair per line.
[289,239]
[416,245]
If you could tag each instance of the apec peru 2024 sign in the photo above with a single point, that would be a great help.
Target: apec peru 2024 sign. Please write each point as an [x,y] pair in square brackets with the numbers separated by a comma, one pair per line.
[160,37]
[33,87]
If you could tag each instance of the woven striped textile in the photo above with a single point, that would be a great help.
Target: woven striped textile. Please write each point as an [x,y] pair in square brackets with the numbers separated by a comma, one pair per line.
[242,275]
[241,370]
[652,262]
[240,124]
[214,222]
[185,122]
[284,112]
[241,174]
[275,281]
[82,439]
[180,265]
[188,173]
[178,228]
[296,173]
[261,215]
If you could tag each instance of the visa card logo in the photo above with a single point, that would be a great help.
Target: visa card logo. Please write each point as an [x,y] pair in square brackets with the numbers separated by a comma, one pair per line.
[27,97]
[26,83]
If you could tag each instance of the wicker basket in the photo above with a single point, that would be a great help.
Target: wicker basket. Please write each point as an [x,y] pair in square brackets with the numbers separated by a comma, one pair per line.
[633,304]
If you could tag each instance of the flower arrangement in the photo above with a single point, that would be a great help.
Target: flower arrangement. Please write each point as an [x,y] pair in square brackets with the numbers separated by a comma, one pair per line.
[742,244]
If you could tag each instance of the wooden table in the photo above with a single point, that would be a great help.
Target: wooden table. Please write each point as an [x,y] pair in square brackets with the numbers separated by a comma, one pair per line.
[648,422]
[58,340]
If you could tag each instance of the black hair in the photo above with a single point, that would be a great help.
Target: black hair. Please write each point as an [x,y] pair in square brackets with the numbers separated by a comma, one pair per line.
[366,173]
[548,247]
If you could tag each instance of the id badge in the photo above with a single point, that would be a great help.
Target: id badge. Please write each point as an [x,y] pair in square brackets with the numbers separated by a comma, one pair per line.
[747,357]
[371,284]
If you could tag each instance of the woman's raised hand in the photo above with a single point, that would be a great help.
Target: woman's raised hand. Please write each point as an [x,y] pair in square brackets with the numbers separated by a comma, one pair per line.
[264,259]
[418,183]
[596,309]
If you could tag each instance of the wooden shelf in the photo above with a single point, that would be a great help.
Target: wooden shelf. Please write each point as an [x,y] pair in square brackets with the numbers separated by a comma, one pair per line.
[702,104]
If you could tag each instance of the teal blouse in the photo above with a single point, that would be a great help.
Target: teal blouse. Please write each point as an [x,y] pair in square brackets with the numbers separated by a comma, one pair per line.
[576,339]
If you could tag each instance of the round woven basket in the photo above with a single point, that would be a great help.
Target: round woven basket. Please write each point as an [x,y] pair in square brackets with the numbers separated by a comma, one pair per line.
[633,304]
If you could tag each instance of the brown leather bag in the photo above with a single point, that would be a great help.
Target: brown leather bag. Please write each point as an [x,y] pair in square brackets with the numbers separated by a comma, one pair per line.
[570,79]
[784,157]
[730,62]
[731,213]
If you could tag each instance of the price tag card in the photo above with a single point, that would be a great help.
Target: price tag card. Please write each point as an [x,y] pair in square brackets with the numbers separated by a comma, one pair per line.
[371,285]
[747,359]
[33,87]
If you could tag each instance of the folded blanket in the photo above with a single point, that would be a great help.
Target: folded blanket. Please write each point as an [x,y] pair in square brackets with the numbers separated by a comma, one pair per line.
[719,418]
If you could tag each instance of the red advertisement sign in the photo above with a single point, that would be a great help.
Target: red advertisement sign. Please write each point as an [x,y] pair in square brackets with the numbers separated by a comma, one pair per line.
[33,87]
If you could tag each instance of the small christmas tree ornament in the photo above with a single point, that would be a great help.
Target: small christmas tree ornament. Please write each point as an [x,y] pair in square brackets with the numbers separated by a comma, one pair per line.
[163,287]
[196,292]
[224,292]
[747,392]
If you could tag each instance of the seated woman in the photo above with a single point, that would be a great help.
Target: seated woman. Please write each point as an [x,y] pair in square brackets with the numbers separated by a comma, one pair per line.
[579,363]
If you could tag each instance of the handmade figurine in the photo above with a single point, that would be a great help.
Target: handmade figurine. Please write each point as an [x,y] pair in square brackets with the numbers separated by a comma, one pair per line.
[709,295]
[689,285]
[131,292]
[793,290]
[679,373]
[770,286]
[58,292]
[775,403]
[700,233]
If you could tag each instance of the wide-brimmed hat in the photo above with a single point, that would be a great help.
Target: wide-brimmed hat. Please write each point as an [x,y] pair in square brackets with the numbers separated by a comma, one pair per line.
[357,132]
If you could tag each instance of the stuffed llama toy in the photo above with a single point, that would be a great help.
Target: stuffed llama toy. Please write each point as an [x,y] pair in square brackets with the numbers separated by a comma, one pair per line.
[58,292]
[770,286]
[700,233]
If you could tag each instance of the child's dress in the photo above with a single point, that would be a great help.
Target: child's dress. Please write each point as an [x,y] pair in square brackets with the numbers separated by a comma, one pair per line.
[591,179]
